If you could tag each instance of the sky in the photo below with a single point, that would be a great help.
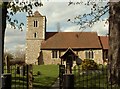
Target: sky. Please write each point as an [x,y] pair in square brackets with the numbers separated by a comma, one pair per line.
[56,13]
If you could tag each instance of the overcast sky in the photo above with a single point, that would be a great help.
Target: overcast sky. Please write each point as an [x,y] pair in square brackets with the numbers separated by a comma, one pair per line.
[56,12]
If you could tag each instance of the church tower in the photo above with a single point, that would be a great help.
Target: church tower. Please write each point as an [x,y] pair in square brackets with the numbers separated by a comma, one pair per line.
[36,28]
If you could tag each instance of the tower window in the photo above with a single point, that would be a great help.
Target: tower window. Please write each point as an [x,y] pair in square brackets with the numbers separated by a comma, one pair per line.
[35,35]
[35,23]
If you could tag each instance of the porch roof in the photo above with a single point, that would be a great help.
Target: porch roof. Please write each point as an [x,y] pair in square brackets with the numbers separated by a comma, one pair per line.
[69,52]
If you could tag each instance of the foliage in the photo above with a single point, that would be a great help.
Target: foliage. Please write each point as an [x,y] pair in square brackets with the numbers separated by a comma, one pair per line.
[15,7]
[98,10]
[88,64]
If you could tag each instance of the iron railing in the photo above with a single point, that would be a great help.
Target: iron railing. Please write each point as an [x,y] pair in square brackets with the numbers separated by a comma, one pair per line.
[19,76]
[92,79]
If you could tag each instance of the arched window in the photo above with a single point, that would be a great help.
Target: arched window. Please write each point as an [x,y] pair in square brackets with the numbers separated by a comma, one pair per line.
[35,23]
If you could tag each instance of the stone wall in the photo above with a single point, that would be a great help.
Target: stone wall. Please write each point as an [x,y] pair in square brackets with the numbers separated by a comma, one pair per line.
[34,36]
[47,56]
[32,51]
[98,56]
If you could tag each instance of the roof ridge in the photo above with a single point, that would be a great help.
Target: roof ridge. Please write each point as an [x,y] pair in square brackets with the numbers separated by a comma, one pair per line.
[36,13]
[64,40]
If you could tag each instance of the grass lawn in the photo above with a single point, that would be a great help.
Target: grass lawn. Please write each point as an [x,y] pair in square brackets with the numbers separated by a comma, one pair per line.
[48,75]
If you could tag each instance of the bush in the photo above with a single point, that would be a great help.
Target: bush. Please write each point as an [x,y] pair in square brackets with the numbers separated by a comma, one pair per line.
[88,64]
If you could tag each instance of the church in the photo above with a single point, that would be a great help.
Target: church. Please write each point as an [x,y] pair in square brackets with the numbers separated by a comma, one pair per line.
[47,47]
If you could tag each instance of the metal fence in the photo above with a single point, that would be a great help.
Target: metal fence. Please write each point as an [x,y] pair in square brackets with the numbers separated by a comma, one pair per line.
[19,76]
[87,79]
[79,79]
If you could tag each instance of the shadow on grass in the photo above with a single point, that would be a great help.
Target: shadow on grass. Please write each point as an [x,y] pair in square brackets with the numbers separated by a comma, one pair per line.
[43,83]
[19,82]
[89,88]
[19,78]
[39,82]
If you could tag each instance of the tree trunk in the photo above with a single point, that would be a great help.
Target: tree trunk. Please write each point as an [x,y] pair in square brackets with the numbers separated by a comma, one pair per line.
[114,42]
[3,13]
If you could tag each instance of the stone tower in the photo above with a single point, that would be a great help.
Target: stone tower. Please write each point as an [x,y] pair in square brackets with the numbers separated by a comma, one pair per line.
[36,28]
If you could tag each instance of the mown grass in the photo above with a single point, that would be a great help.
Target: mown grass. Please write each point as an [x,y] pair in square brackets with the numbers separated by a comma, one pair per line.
[48,75]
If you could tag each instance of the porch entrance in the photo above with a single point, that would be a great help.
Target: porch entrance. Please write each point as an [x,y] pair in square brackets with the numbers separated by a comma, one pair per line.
[76,77]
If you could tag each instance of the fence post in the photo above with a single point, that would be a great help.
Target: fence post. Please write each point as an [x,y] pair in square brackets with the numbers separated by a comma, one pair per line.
[61,72]
[8,65]
[29,77]
[7,62]
[6,78]
[68,81]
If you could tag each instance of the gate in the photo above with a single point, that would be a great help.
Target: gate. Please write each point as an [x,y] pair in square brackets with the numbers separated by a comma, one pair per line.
[20,76]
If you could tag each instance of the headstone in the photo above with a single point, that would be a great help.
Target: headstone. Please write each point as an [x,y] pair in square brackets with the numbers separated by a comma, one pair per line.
[18,70]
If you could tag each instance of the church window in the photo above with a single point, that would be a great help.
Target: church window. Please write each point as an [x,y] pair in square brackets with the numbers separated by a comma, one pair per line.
[54,54]
[59,54]
[35,23]
[89,54]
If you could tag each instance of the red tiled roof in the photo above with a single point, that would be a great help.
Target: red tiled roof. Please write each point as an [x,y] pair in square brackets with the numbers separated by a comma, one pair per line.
[104,42]
[74,40]
[49,34]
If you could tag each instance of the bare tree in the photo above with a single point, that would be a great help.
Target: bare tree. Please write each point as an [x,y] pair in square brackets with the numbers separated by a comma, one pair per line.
[19,54]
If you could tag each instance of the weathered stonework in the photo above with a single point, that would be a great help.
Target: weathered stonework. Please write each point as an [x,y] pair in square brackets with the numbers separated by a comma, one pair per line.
[34,36]
[98,58]
[32,51]
[47,56]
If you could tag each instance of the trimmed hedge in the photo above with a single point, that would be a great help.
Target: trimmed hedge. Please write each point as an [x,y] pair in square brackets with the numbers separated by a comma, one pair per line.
[88,64]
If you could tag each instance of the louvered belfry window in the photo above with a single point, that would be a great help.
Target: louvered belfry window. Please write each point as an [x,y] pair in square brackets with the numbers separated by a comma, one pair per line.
[35,23]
